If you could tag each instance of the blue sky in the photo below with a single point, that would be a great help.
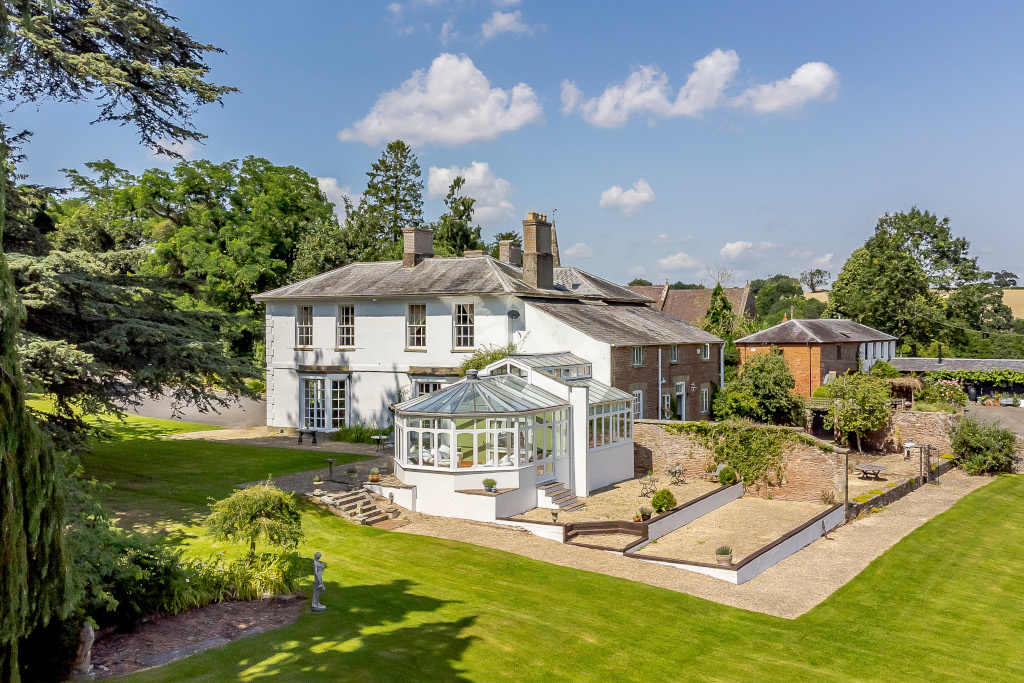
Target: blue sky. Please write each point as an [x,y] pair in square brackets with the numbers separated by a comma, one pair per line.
[765,137]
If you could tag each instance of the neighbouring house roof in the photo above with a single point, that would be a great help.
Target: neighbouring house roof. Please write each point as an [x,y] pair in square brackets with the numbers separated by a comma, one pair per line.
[623,324]
[441,276]
[475,395]
[820,331]
[692,304]
[954,364]
[599,391]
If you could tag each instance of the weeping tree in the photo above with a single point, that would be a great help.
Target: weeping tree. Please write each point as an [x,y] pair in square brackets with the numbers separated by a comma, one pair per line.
[142,71]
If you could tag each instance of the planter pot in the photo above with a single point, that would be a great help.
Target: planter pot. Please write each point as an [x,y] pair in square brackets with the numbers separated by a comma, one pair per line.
[645,517]
[490,489]
[374,477]
[724,560]
[636,519]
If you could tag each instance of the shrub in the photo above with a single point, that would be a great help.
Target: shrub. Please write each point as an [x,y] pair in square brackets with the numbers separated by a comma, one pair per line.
[485,356]
[662,501]
[374,470]
[352,470]
[762,391]
[260,512]
[215,580]
[257,385]
[875,492]
[943,391]
[646,512]
[723,550]
[828,497]
[317,479]
[820,392]
[980,448]
[883,370]
[490,482]
[862,498]
[727,476]
[361,433]
[862,405]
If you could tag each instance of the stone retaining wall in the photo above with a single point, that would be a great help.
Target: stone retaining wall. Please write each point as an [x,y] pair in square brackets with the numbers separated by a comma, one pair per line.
[808,472]
[921,428]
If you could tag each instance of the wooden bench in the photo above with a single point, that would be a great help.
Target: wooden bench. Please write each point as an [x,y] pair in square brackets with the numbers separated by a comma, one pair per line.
[866,471]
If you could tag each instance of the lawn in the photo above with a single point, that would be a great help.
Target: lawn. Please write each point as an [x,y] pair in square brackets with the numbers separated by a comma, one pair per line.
[947,603]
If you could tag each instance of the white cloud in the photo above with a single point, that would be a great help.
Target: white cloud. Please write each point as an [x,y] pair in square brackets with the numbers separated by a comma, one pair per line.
[506,3]
[812,81]
[186,148]
[571,97]
[505,22]
[800,255]
[637,270]
[452,103]
[396,10]
[744,251]
[492,208]
[448,32]
[646,91]
[822,261]
[336,194]
[580,250]
[678,261]
[664,239]
[627,202]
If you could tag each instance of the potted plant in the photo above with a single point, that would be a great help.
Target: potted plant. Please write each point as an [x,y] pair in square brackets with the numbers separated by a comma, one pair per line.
[317,479]
[490,485]
[636,517]
[645,513]
[723,555]
[353,475]
[374,474]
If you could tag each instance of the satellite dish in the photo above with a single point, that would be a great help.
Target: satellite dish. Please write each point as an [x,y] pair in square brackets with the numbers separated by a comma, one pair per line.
[513,314]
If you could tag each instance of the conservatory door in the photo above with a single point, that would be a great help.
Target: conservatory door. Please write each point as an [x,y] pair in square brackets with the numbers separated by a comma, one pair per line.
[544,435]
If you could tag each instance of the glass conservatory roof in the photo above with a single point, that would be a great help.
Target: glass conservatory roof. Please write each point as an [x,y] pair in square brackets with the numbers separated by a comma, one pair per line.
[483,395]
[601,393]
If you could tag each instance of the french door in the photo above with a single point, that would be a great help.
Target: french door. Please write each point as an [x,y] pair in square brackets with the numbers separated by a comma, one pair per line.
[323,403]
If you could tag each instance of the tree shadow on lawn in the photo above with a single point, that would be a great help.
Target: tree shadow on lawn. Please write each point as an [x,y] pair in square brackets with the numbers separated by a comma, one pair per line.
[337,644]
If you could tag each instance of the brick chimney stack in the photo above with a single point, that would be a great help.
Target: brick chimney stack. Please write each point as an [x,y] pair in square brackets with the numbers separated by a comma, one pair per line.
[419,244]
[510,252]
[538,262]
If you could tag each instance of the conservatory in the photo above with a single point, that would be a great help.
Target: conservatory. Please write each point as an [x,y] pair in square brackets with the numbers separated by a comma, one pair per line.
[527,432]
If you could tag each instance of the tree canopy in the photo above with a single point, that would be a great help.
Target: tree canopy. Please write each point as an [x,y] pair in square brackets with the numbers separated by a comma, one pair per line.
[860,405]
[394,192]
[815,278]
[763,391]
[261,512]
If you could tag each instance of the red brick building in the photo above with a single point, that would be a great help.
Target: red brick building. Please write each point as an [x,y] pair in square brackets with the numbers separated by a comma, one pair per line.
[815,349]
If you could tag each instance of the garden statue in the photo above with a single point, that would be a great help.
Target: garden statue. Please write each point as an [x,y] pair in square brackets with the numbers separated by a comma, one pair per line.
[318,582]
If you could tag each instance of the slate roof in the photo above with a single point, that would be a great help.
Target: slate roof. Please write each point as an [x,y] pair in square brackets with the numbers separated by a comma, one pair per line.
[441,276]
[953,364]
[821,331]
[692,304]
[623,324]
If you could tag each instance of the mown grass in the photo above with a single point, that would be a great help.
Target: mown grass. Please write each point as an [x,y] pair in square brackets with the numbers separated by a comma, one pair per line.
[946,603]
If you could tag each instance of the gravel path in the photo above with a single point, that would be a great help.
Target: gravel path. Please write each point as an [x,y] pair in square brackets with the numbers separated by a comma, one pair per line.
[788,589]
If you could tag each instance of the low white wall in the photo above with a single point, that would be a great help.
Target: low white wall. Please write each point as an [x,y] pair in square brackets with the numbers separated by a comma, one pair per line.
[404,497]
[553,532]
[667,523]
[805,537]
[515,502]
[608,465]
[717,572]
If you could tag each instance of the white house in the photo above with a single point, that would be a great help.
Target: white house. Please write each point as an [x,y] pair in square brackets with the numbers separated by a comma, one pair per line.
[344,346]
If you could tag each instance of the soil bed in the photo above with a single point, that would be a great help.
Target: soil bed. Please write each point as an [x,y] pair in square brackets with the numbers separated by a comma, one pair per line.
[620,501]
[166,638]
[745,525]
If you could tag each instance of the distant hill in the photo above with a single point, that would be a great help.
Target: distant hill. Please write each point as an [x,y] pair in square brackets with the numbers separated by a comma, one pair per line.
[1014,298]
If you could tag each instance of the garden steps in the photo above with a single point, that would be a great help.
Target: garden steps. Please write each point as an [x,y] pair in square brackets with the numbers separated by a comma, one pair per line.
[561,496]
[357,506]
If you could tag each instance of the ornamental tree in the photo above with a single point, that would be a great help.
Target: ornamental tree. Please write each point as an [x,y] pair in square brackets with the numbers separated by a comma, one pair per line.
[261,512]
[860,405]
[763,391]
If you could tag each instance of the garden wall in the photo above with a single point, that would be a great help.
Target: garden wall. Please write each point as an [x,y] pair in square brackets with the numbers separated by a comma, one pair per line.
[808,470]
[922,428]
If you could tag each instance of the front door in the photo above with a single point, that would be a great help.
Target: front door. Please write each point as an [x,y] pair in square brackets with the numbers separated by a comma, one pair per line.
[681,399]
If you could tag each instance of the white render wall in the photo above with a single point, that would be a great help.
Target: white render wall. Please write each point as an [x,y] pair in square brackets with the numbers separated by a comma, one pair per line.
[547,334]
[379,364]
[608,465]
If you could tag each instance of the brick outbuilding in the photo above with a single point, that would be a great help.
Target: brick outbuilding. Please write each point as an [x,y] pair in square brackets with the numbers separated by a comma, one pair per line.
[814,349]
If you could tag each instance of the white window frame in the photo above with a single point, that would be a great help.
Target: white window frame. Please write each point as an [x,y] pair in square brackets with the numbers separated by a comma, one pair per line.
[464,326]
[346,332]
[673,354]
[321,414]
[419,385]
[638,356]
[415,331]
[609,424]
[303,327]
[705,400]
[638,404]
[705,351]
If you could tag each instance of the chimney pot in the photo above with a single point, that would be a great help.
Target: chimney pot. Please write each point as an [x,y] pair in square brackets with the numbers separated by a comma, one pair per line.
[418,245]
[538,261]
[510,252]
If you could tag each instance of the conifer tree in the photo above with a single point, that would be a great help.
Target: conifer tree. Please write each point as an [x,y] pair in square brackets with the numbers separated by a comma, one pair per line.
[394,192]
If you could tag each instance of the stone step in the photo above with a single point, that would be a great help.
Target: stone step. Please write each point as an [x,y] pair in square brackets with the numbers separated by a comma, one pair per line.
[373,518]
